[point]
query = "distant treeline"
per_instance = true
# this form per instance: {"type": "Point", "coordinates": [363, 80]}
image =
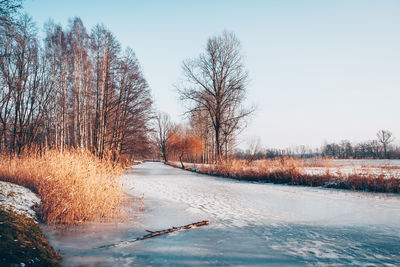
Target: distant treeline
{"type": "Point", "coordinates": [379, 148]}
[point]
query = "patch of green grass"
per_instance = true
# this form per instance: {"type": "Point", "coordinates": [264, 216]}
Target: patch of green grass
{"type": "Point", "coordinates": [21, 241]}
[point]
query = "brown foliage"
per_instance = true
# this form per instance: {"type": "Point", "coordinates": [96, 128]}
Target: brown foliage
{"type": "Point", "coordinates": [183, 144]}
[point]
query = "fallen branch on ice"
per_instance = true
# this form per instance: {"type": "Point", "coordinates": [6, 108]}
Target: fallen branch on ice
{"type": "Point", "coordinates": [157, 233]}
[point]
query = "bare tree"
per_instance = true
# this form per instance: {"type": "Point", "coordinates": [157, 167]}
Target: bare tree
{"type": "Point", "coordinates": [8, 8]}
{"type": "Point", "coordinates": [131, 109]}
{"type": "Point", "coordinates": [255, 150]}
{"type": "Point", "coordinates": [77, 90]}
{"type": "Point", "coordinates": [163, 127]}
{"type": "Point", "coordinates": [216, 83]}
{"type": "Point", "coordinates": [80, 80]}
{"type": "Point", "coordinates": [201, 125]}
{"type": "Point", "coordinates": [8, 31]}
{"type": "Point", "coordinates": [57, 55]}
{"type": "Point", "coordinates": [105, 49]}
{"type": "Point", "coordinates": [385, 138]}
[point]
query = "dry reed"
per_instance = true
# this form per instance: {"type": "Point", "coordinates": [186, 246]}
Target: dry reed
{"type": "Point", "coordinates": [74, 186]}
{"type": "Point", "coordinates": [291, 171]}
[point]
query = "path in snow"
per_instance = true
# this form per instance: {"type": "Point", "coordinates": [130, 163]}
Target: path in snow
{"type": "Point", "coordinates": [250, 224]}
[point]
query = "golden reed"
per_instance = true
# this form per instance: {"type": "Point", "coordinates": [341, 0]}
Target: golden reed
{"type": "Point", "coordinates": [75, 186]}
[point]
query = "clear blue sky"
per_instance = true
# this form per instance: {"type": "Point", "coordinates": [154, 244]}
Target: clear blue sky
{"type": "Point", "coordinates": [319, 70]}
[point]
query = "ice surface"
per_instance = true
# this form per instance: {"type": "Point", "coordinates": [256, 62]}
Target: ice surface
{"type": "Point", "coordinates": [250, 224]}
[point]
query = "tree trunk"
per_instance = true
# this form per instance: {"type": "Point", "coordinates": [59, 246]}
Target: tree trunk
{"type": "Point", "coordinates": [180, 159]}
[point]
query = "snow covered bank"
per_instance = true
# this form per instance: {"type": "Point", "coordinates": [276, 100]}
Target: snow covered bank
{"type": "Point", "coordinates": [384, 179]}
{"type": "Point", "coordinates": [337, 168]}
{"type": "Point", "coordinates": [21, 240]}
{"type": "Point", "coordinates": [19, 199]}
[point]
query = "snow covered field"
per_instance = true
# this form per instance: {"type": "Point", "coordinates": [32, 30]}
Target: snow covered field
{"type": "Point", "coordinates": [250, 224]}
{"type": "Point", "coordinates": [340, 167]}
{"type": "Point", "coordinates": [336, 167]}
{"type": "Point", "coordinates": [367, 162]}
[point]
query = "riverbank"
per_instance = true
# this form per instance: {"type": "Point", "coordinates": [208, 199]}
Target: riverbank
{"type": "Point", "coordinates": [294, 172]}
{"type": "Point", "coordinates": [22, 240]}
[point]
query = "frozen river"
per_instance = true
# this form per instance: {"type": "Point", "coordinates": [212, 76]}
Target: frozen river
{"type": "Point", "coordinates": [250, 224]}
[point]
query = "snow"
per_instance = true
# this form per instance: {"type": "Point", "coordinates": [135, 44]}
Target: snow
{"type": "Point", "coordinates": [343, 167]}
{"type": "Point", "coordinates": [250, 224]}
{"type": "Point", "coordinates": [338, 168]}
{"type": "Point", "coordinates": [366, 162]}
{"type": "Point", "coordinates": [18, 198]}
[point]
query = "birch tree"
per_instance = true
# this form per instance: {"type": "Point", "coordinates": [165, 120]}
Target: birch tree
{"type": "Point", "coordinates": [81, 78]}
{"type": "Point", "coordinates": [57, 55]}
{"type": "Point", "coordinates": [105, 49]}
{"type": "Point", "coordinates": [75, 90]}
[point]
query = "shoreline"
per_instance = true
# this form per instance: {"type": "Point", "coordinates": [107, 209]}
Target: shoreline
{"type": "Point", "coordinates": [352, 183]}
{"type": "Point", "coordinates": [22, 239]}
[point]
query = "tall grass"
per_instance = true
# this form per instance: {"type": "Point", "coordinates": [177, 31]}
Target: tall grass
{"type": "Point", "coordinates": [74, 186]}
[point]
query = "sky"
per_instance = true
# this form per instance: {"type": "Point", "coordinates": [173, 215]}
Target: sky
{"type": "Point", "coordinates": [320, 71]}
